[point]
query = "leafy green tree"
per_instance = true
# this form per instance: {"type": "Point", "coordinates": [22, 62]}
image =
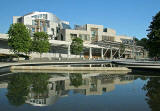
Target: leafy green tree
{"type": "Point", "coordinates": [154, 36]}
{"type": "Point", "coordinates": [19, 38]}
{"type": "Point", "coordinates": [40, 43]}
{"type": "Point", "coordinates": [76, 46]}
{"type": "Point", "coordinates": [136, 39]}
{"type": "Point", "coordinates": [143, 42]}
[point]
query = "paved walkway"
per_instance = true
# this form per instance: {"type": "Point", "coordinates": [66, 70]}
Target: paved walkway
{"type": "Point", "coordinates": [144, 67]}
{"type": "Point", "coordinates": [52, 63]}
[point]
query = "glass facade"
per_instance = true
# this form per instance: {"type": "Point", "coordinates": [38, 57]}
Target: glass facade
{"type": "Point", "coordinates": [33, 29]}
{"type": "Point", "coordinates": [84, 37]}
{"type": "Point", "coordinates": [126, 41]}
{"type": "Point", "coordinates": [73, 36]}
{"type": "Point", "coordinates": [40, 16]}
{"type": "Point", "coordinates": [108, 38]}
{"type": "Point", "coordinates": [66, 26]}
{"type": "Point", "coordinates": [33, 22]}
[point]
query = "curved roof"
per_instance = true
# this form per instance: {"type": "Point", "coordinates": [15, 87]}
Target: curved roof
{"type": "Point", "coordinates": [51, 16]}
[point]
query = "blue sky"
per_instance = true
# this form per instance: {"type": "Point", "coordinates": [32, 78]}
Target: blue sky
{"type": "Point", "coordinates": [127, 17]}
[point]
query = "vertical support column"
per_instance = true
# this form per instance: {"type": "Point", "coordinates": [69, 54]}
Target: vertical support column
{"type": "Point", "coordinates": [111, 55]}
{"type": "Point", "coordinates": [102, 56]}
{"type": "Point", "coordinates": [119, 53]}
{"type": "Point", "coordinates": [90, 53]}
{"type": "Point", "coordinates": [69, 51]}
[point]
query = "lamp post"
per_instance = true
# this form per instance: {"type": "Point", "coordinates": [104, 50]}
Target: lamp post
{"type": "Point", "coordinates": [133, 50]}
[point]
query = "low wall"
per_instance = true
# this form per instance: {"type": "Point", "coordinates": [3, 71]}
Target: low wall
{"type": "Point", "coordinates": [53, 55]}
{"type": "Point", "coordinates": [61, 71]}
{"type": "Point", "coordinates": [48, 56]}
{"type": "Point", "coordinates": [69, 68]}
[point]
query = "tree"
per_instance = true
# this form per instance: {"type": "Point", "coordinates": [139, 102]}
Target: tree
{"type": "Point", "coordinates": [143, 42]}
{"type": "Point", "coordinates": [40, 42]}
{"type": "Point", "coordinates": [19, 38]}
{"type": "Point", "coordinates": [76, 46]}
{"type": "Point", "coordinates": [154, 36]}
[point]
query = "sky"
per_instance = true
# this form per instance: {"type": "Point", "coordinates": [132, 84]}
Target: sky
{"type": "Point", "coordinates": [127, 17]}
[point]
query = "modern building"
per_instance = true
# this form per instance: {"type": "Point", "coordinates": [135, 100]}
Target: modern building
{"type": "Point", "coordinates": [42, 21]}
{"type": "Point", "coordinates": [99, 42]}
{"type": "Point", "coordinates": [91, 33]}
{"type": "Point", "coordinates": [52, 25]}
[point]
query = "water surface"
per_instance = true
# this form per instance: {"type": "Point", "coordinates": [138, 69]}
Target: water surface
{"type": "Point", "coordinates": [79, 92]}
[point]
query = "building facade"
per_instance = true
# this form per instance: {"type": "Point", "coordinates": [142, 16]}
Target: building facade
{"type": "Point", "coordinates": [91, 33]}
{"type": "Point", "coordinates": [98, 41]}
{"type": "Point", "coordinates": [42, 22]}
{"type": "Point", "coordinates": [61, 30]}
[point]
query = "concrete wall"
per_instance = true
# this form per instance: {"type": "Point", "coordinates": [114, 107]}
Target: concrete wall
{"type": "Point", "coordinates": [67, 34]}
{"type": "Point", "coordinates": [50, 56]}
{"type": "Point", "coordinates": [15, 19]}
{"type": "Point", "coordinates": [119, 37]}
{"type": "Point", "coordinates": [110, 33]}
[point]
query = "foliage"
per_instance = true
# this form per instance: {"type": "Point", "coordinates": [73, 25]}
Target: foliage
{"type": "Point", "coordinates": [143, 42]}
{"type": "Point", "coordinates": [76, 79]}
{"type": "Point", "coordinates": [76, 46]}
{"type": "Point", "coordinates": [153, 93]}
{"type": "Point", "coordinates": [40, 42]}
{"type": "Point", "coordinates": [19, 38]}
{"type": "Point", "coordinates": [154, 36]}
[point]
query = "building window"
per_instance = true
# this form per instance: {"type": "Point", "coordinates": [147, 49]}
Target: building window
{"type": "Point", "coordinates": [62, 37]}
{"type": "Point", "coordinates": [44, 16]}
{"type": "Point", "coordinates": [41, 16]}
{"type": "Point", "coordinates": [73, 36]}
{"type": "Point", "coordinates": [33, 22]}
{"type": "Point", "coordinates": [33, 30]}
{"type": "Point", "coordinates": [93, 33]}
{"type": "Point", "coordinates": [84, 37]}
{"type": "Point", "coordinates": [126, 41]}
{"type": "Point", "coordinates": [108, 38]}
{"type": "Point", "coordinates": [52, 30]}
{"type": "Point", "coordinates": [41, 23]}
{"type": "Point", "coordinates": [44, 29]}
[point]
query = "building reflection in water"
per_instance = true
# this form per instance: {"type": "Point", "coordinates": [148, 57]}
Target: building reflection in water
{"type": "Point", "coordinates": [92, 84]}
{"type": "Point", "coordinates": [59, 85]}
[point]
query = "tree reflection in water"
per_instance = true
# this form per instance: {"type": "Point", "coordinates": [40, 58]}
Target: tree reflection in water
{"type": "Point", "coordinates": [39, 84]}
{"type": "Point", "coordinates": [76, 79]}
{"type": "Point", "coordinates": [21, 84]}
{"type": "Point", "coordinates": [18, 89]}
{"type": "Point", "coordinates": [153, 93]}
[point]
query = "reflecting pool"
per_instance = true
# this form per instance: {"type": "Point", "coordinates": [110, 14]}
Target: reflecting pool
{"type": "Point", "coordinates": [79, 92]}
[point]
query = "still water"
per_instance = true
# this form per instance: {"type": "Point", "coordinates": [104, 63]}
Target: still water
{"type": "Point", "coordinates": [79, 92]}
